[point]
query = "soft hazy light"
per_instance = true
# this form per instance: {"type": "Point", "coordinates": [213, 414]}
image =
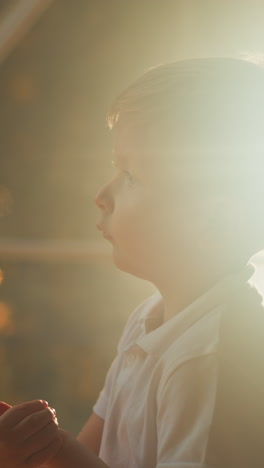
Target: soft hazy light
{"type": "Point", "coordinates": [253, 57]}
{"type": "Point", "coordinates": [1, 276]}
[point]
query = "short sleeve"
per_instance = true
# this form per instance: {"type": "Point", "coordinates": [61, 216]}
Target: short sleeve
{"type": "Point", "coordinates": [100, 406]}
{"type": "Point", "coordinates": [184, 415]}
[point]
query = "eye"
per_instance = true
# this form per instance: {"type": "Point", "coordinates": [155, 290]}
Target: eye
{"type": "Point", "coordinates": [127, 173]}
{"type": "Point", "coordinates": [129, 176]}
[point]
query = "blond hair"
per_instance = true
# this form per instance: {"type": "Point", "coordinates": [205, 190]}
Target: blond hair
{"type": "Point", "coordinates": [206, 102]}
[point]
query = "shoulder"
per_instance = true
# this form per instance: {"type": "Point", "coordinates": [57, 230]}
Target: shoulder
{"type": "Point", "coordinates": [236, 437]}
{"type": "Point", "coordinates": [198, 341]}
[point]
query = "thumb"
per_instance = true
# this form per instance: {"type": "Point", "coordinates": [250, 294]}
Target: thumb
{"type": "Point", "coordinates": [4, 407]}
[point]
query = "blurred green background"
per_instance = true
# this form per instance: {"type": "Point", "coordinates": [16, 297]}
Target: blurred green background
{"type": "Point", "coordinates": [60, 319]}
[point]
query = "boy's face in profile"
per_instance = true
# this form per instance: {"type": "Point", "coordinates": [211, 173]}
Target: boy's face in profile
{"type": "Point", "coordinates": [148, 212]}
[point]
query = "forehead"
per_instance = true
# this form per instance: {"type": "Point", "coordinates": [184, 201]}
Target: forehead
{"type": "Point", "coordinates": [203, 171]}
{"type": "Point", "coordinates": [139, 152]}
{"type": "Point", "coordinates": [146, 147]}
{"type": "Point", "coordinates": [128, 150]}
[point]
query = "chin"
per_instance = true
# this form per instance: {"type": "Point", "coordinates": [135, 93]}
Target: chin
{"type": "Point", "coordinates": [128, 267]}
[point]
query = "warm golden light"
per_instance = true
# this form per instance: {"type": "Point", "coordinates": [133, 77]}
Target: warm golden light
{"type": "Point", "coordinates": [1, 276]}
{"type": "Point", "coordinates": [6, 322]}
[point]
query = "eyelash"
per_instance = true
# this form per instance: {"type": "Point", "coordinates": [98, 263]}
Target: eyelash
{"type": "Point", "coordinates": [129, 176]}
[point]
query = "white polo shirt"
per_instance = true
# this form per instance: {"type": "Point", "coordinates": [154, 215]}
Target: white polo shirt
{"type": "Point", "coordinates": [159, 395]}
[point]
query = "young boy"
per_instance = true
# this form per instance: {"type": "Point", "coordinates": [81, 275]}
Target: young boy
{"type": "Point", "coordinates": [182, 211]}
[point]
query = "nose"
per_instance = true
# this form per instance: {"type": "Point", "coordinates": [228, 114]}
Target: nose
{"type": "Point", "coordinates": [104, 199]}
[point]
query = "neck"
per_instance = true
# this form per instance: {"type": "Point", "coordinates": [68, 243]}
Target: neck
{"type": "Point", "coordinates": [181, 288]}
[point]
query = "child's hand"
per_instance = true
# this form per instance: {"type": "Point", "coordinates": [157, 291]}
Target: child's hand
{"type": "Point", "coordinates": [29, 434]}
{"type": "Point", "coordinates": [4, 407]}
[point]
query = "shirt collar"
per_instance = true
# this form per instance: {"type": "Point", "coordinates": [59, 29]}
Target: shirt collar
{"type": "Point", "coordinates": [158, 336]}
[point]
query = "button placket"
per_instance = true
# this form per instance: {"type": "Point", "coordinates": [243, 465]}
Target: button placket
{"type": "Point", "coordinates": [130, 359]}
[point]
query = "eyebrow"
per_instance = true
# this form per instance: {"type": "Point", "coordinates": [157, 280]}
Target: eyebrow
{"type": "Point", "coordinates": [114, 163]}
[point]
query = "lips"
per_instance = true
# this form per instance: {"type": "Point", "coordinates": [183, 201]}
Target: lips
{"type": "Point", "coordinates": [102, 229]}
{"type": "Point", "coordinates": [106, 236]}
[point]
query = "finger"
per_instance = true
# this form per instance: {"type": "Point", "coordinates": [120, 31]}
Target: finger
{"type": "Point", "coordinates": [44, 455]}
{"type": "Point", "coordinates": [33, 423]}
{"type": "Point", "coordinates": [4, 407]}
{"type": "Point", "coordinates": [15, 414]}
{"type": "Point", "coordinates": [40, 440]}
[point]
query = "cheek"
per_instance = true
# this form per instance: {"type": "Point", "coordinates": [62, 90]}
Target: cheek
{"type": "Point", "coordinates": [130, 221]}
{"type": "Point", "coordinates": [131, 238]}
{"type": "Point", "coordinates": [147, 220]}
{"type": "Point", "coordinates": [133, 224]}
